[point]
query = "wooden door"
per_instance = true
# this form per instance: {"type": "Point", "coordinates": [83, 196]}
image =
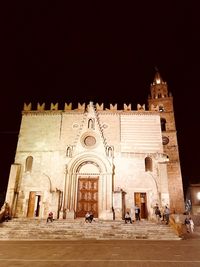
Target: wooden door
{"type": "Point", "coordinates": [87, 199]}
{"type": "Point", "coordinates": [141, 202]}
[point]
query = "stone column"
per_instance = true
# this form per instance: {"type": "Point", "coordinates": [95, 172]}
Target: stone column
{"type": "Point", "coordinates": [117, 204]}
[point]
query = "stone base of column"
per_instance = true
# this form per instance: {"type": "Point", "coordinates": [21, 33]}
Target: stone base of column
{"type": "Point", "coordinates": [106, 215]}
{"type": "Point", "coordinates": [70, 215]}
{"type": "Point", "coordinates": [118, 214]}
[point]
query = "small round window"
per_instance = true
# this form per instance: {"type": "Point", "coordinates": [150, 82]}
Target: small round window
{"type": "Point", "coordinates": [90, 141]}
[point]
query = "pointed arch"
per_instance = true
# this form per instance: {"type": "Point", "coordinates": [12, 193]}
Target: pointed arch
{"type": "Point", "coordinates": [89, 166]}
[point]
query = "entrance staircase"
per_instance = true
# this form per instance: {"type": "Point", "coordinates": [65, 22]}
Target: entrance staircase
{"type": "Point", "coordinates": [78, 229]}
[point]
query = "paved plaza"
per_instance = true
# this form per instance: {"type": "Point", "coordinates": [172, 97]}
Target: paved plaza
{"type": "Point", "coordinates": [138, 253]}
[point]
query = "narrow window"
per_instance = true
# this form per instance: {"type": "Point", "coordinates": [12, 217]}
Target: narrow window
{"type": "Point", "coordinates": [109, 150]}
{"type": "Point", "coordinates": [91, 124]}
{"type": "Point", "coordinates": [163, 124]}
{"type": "Point", "coordinates": [29, 164]}
{"type": "Point", "coordinates": [148, 164]}
{"type": "Point", "coordinates": [69, 152]}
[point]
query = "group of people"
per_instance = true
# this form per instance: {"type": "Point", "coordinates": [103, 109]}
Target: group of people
{"type": "Point", "coordinates": [89, 217]}
{"type": "Point", "coordinates": [128, 218]}
{"type": "Point", "coordinates": [162, 216]}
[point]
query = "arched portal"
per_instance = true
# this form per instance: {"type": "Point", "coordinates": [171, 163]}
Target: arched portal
{"type": "Point", "coordinates": [89, 187]}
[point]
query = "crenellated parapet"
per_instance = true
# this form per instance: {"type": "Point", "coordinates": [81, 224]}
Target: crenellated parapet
{"type": "Point", "coordinates": [40, 107]}
{"type": "Point", "coordinates": [81, 107]}
{"type": "Point", "coordinates": [140, 108]}
{"type": "Point", "coordinates": [113, 107]}
{"type": "Point", "coordinates": [127, 107]}
{"type": "Point", "coordinates": [68, 106]}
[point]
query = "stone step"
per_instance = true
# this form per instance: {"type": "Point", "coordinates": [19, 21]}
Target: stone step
{"type": "Point", "coordinates": [30, 229]}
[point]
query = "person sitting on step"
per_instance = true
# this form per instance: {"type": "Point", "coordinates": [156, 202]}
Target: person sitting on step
{"type": "Point", "coordinates": [87, 217]}
{"type": "Point", "coordinates": [50, 217]}
{"type": "Point", "coordinates": [128, 217]}
{"type": "Point", "coordinates": [7, 215]}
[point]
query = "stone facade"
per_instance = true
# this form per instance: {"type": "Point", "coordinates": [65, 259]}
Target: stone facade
{"type": "Point", "coordinates": [104, 160]}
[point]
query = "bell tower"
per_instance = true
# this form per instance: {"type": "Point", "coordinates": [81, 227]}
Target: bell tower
{"type": "Point", "coordinates": [161, 100]}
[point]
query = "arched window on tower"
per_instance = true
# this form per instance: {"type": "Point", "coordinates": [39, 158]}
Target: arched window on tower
{"type": "Point", "coordinates": [148, 164]}
{"type": "Point", "coordinates": [163, 124]}
{"type": "Point", "coordinates": [29, 164]}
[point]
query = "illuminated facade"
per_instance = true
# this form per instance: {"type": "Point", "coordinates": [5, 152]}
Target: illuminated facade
{"type": "Point", "coordinates": [94, 158]}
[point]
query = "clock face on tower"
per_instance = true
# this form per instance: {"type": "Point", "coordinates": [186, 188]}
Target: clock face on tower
{"type": "Point", "coordinates": [165, 140]}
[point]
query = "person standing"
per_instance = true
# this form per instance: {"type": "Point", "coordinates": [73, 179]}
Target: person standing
{"type": "Point", "coordinates": [137, 213]}
{"type": "Point", "coordinates": [166, 214]}
{"type": "Point", "coordinates": [187, 224]}
{"type": "Point", "coordinates": [157, 213]}
{"type": "Point", "coordinates": [191, 225]}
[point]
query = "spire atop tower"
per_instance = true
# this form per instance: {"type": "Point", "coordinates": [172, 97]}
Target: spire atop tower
{"type": "Point", "coordinates": [158, 79]}
{"type": "Point", "coordinates": [158, 87]}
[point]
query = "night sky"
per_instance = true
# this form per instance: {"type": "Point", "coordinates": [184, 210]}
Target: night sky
{"type": "Point", "coordinates": [105, 53]}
